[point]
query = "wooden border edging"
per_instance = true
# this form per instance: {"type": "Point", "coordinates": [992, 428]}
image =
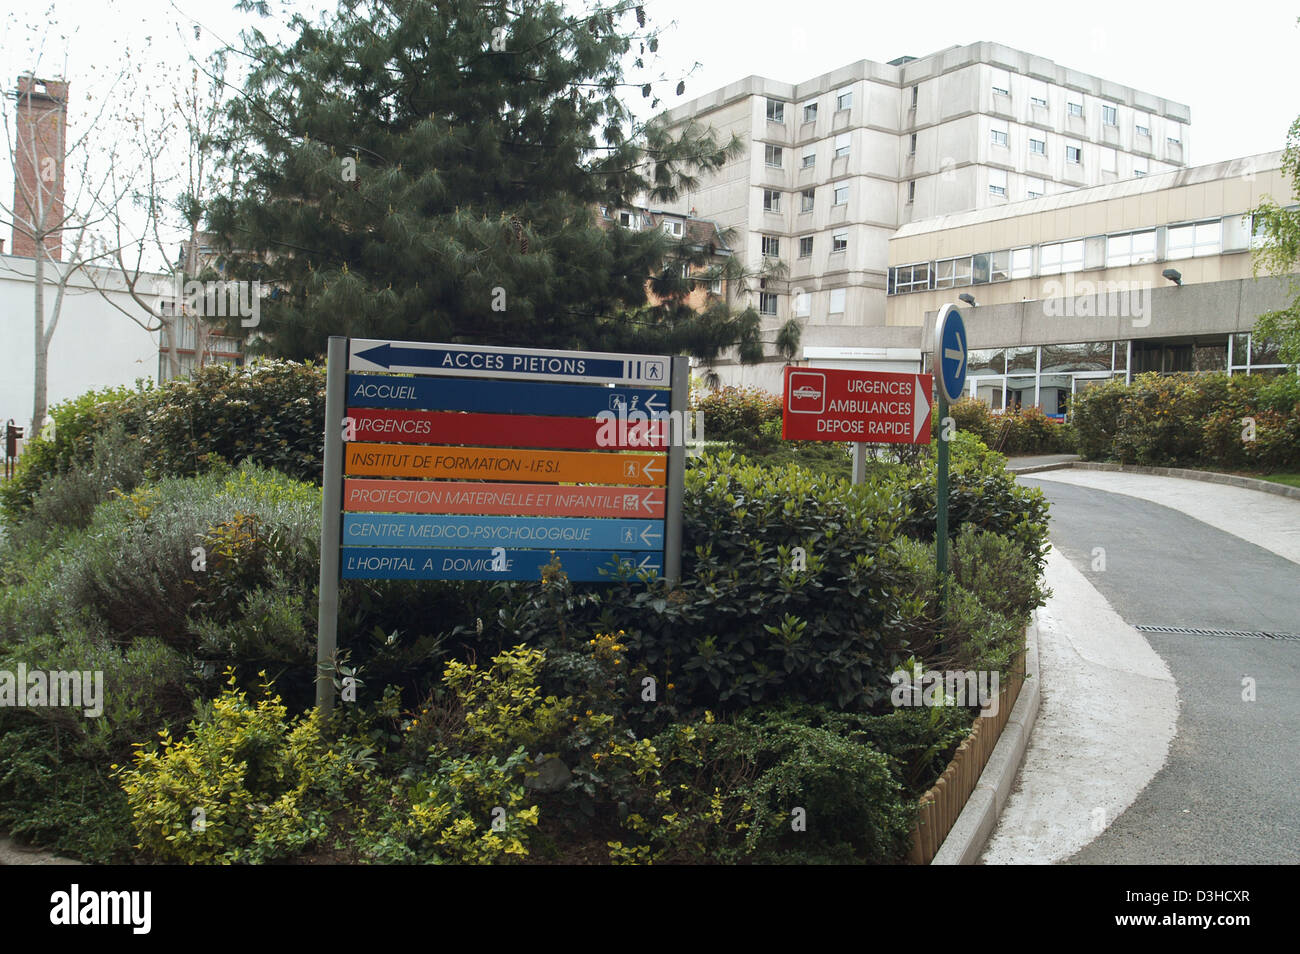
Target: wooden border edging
{"type": "Point", "coordinates": [958, 814]}
{"type": "Point", "coordinates": [1209, 476]}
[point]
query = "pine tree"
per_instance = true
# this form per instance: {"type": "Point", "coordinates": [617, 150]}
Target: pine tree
{"type": "Point", "coordinates": [433, 171]}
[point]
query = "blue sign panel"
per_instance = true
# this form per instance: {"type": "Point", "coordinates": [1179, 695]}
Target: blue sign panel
{"type": "Point", "coordinates": [496, 563]}
{"type": "Point", "coordinates": [479, 361]}
{"type": "Point", "coordinates": [549, 533]}
{"type": "Point", "coordinates": [500, 397]}
{"type": "Point", "coordinates": [950, 352]}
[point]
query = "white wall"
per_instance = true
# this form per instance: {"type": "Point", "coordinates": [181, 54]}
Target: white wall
{"type": "Point", "coordinates": [94, 345]}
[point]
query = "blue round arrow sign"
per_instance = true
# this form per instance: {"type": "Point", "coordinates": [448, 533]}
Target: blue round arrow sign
{"type": "Point", "coordinates": [950, 352]}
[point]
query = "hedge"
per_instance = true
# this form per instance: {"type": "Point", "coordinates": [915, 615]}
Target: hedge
{"type": "Point", "coordinates": [1220, 421]}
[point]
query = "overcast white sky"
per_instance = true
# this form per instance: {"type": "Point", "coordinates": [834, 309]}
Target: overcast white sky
{"type": "Point", "coordinates": [1233, 64]}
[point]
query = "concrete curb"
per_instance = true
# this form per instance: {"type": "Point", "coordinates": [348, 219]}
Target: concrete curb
{"type": "Point", "coordinates": [1208, 476]}
{"type": "Point", "coordinates": [978, 819]}
{"type": "Point", "coordinates": [1038, 468]}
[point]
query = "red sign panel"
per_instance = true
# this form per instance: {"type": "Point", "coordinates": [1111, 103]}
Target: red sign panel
{"type": "Point", "coordinates": [874, 407]}
{"type": "Point", "coordinates": [630, 432]}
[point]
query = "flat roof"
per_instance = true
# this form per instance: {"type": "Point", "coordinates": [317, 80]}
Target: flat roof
{"type": "Point", "coordinates": [1140, 185]}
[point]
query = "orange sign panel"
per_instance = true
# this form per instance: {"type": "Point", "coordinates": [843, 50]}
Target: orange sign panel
{"type": "Point", "coordinates": [489, 463]}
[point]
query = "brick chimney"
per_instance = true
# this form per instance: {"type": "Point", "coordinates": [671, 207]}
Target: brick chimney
{"type": "Point", "coordinates": [40, 143]}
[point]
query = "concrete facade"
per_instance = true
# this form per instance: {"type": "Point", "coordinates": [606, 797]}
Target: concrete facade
{"type": "Point", "coordinates": [834, 165]}
{"type": "Point", "coordinates": [1071, 290]}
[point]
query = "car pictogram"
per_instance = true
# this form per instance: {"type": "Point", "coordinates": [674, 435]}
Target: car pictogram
{"type": "Point", "coordinates": [807, 392]}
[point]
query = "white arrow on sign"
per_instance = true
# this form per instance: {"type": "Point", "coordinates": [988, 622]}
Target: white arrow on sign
{"type": "Point", "coordinates": [645, 564]}
{"type": "Point", "coordinates": [650, 403]}
{"type": "Point", "coordinates": [922, 408]}
{"type": "Point", "coordinates": [645, 501]}
{"type": "Point", "coordinates": [646, 535]}
{"type": "Point", "coordinates": [958, 356]}
{"type": "Point", "coordinates": [649, 469]}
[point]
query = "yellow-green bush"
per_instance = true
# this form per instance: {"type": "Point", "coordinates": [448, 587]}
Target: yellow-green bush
{"type": "Point", "coordinates": [247, 784]}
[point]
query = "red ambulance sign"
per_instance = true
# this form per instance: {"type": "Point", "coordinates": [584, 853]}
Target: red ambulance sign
{"type": "Point", "coordinates": [874, 407]}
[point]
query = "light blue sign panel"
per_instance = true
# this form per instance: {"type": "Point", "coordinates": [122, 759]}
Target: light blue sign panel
{"type": "Point", "coordinates": [499, 397]}
{"type": "Point", "coordinates": [549, 533]}
{"type": "Point", "coordinates": [950, 343]}
{"type": "Point", "coordinates": [496, 563]}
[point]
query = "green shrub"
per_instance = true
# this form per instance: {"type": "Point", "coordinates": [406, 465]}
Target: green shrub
{"type": "Point", "coordinates": [981, 492]}
{"type": "Point", "coordinates": [816, 795]}
{"type": "Point", "coordinates": [55, 784]}
{"type": "Point", "coordinates": [737, 415]}
{"type": "Point", "coordinates": [1193, 420]}
{"type": "Point", "coordinates": [77, 423]}
{"type": "Point", "coordinates": [248, 784]}
{"type": "Point", "coordinates": [272, 414]}
{"type": "Point", "coordinates": [67, 500]}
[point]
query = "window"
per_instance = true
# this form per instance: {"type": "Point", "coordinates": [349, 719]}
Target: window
{"type": "Point", "coordinates": [715, 286]}
{"type": "Point", "coordinates": [1193, 241]}
{"type": "Point", "coordinates": [802, 304]}
{"type": "Point", "coordinates": [1109, 116]}
{"type": "Point", "coordinates": [772, 156]}
{"type": "Point", "coordinates": [952, 272]}
{"type": "Point", "coordinates": [771, 246]}
{"type": "Point", "coordinates": [1038, 147]}
{"type": "Point", "coordinates": [841, 195]}
{"type": "Point", "coordinates": [627, 220]}
{"type": "Point", "coordinates": [1173, 141]}
{"type": "Point", "coordinates": [1039, 101]}
{"type": "Point", "coordinates": [805, 246]}
{"type": "Point", "coordinates": [844, 98]}
{"type": "Point", "coordinates": [840, 242]}
{"type": "Point", "coordinates": [810, 112]}
{"type": "Point", "coordinates": [686, 270]}
{"type": "Point", "coordinates": [1258, 231]}
{"type": "Point", "coordinates": [1139, 167]}
{"type": "Point", "coordinates": [809, 160]}
{"type": "Point", "coordinates": [1059, 257]}
{"type": "Point", "coordinates": [673, 228]}
{"type": "Point", "coordinates": [997, 182]}
{"type": "Point", "coordinates": [1022, 262]}
{"type": "Point", "coordinates": [1073, 154]}
{"type": "Point", "coordinates": [775, 111]}
{"type": "Point", "coordinates": [912, 145]}
{"type": "Point", "coordinates": [1038, 93]}
{"type": "Point", "coordinates": [1108, 160]}
{"type": "Point", "coordinates": [842, 144]}
{"type": "Point", "coordinates": [838, 295]}
{"type": "Point", "coordinates": [916, 92]}
{"type": "Point", "coordinates": [766, 303]}
{"type": "Point", "coordinates": [1133, 248]}
{"type": "Point", "coordinates": [910, 278]}
{"type": "Point", "coordinates": [911, 191]}
{"type": "Point", "coordinates": [1035, 188]}
{"type": "Point", "coordinates": [806, 200]}
{"type": "Point", "coordinates": [1001, 82]}
{"type": "Point", "coordinates": [1074, 109]}
{"type": "Point", "coordinates": [771, 200]}
{"type": "Point", "coordinates": [1000, 137]}
{"type": "Point", "coordinates": [1143, 131]}
{"type": "Point", "coordinates": [999, 266]}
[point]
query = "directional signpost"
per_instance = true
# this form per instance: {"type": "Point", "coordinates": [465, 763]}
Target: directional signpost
{"type": "Point", "coordinates": [828, 404]}
{"type": "Point", "coordinates": [950, 372]}
{"type": "Point", "coordinates": [461, 462]}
